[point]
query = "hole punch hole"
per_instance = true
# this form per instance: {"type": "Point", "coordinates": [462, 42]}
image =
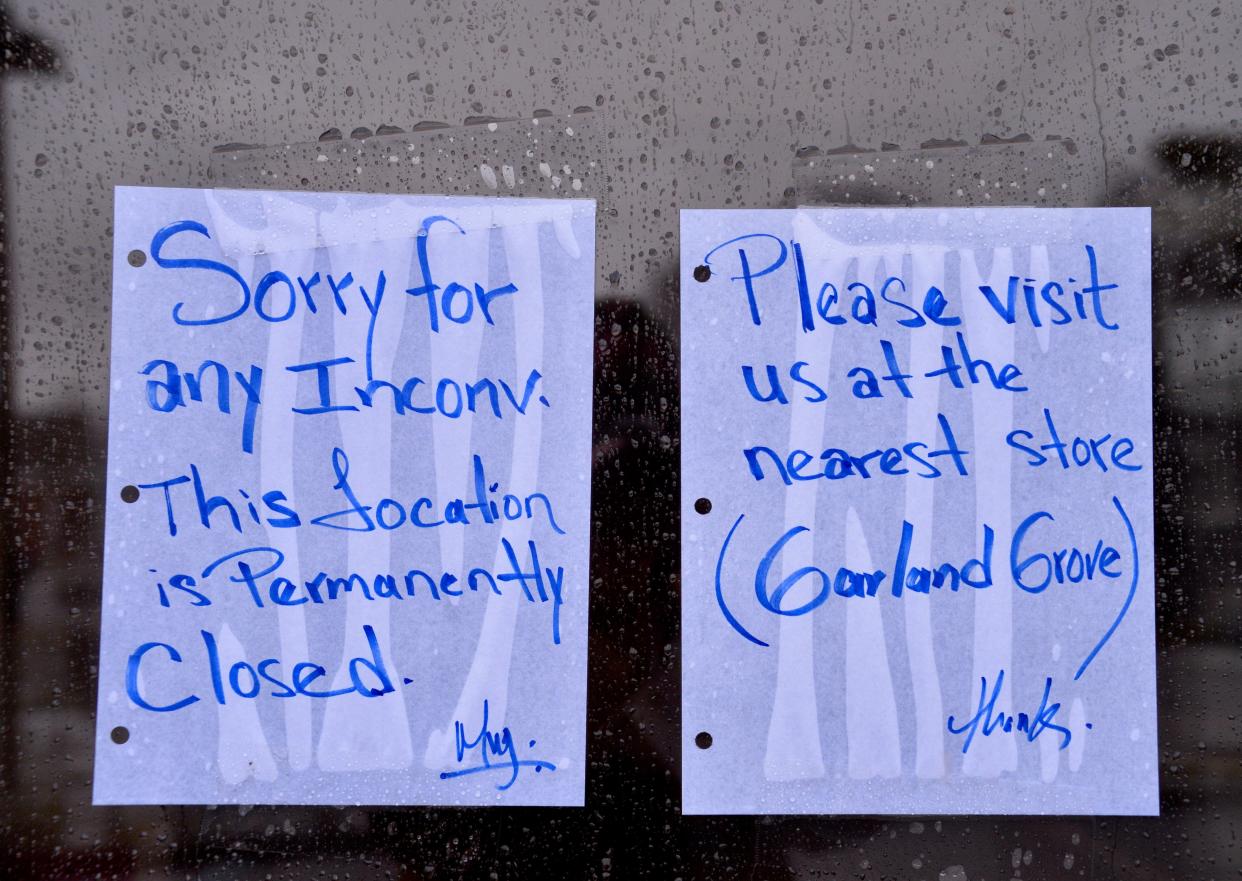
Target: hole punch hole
{"type": "Point", "coordinates": [703, 740]}
{"type": "Point", "coordinates": [120, 735]}
{"type": "Point", "coordinates": [703, 506]}
{"type": "Point", "coordinates": [702, 273]}
{"type": "Point", "coordinates": [137, 258]}
{"type": "Point", "coordinates": [129, 494]}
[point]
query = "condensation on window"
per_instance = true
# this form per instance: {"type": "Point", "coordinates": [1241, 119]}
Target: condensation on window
{"type": "Point", "coordinates": [647, 106]}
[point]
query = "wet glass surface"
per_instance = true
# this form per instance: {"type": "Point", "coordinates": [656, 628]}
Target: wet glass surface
{"type": "Point", "coordinates": [670, 105]}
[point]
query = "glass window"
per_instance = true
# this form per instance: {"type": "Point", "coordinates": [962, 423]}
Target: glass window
{"type": "Point", "coordinates": [648, 107]}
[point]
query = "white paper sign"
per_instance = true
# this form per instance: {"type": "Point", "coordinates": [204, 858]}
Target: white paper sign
{"type": "Point", "coordinates": [348, 500]}
{"type": "Point", "coordinates": [917, 512]}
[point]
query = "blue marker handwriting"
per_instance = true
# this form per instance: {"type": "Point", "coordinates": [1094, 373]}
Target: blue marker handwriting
{"type": "Point", "coordinates": [494, 751]}
{"type": "Point", "coordinates": [257, 570]}
{"type": "Point", "coordinates": [158, 662]}
{"type": "Point", "coordinates": [1044, 445]}
{"type": "Point", "coordinates": [958, 365]}
{"type": "Point", "coordinates": [447, 396]}
{"type": "Point", "coordinates": [169, 386]}
{"type": "Point", "coordinates": [987, 720]}
{"type": "Point", "coordinates": [915, 457]}
{"type": "Point", "coordinates": [277, 296]}
{"type": "Point", "coordinates": [188, 500]}
{"type": "Point", "coordinates": [1036, 562]}
{"type": "Point", "coordinates": [833, 302]}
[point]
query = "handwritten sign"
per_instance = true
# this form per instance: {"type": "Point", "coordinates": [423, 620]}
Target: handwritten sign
{"type": "Point", "coordinates": [917, 512]}
{"type": "Point", "coordinates": [348, 500]}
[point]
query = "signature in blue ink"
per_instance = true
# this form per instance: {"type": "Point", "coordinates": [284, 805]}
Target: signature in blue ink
{"type": "Point", "coordinates": [987, 719]}
{"type": "Point", "coordinates": [495, 752]}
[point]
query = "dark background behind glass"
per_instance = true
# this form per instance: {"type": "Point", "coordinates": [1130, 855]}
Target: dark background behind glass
{"type": "Point", "coordinates": [687, 105]}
